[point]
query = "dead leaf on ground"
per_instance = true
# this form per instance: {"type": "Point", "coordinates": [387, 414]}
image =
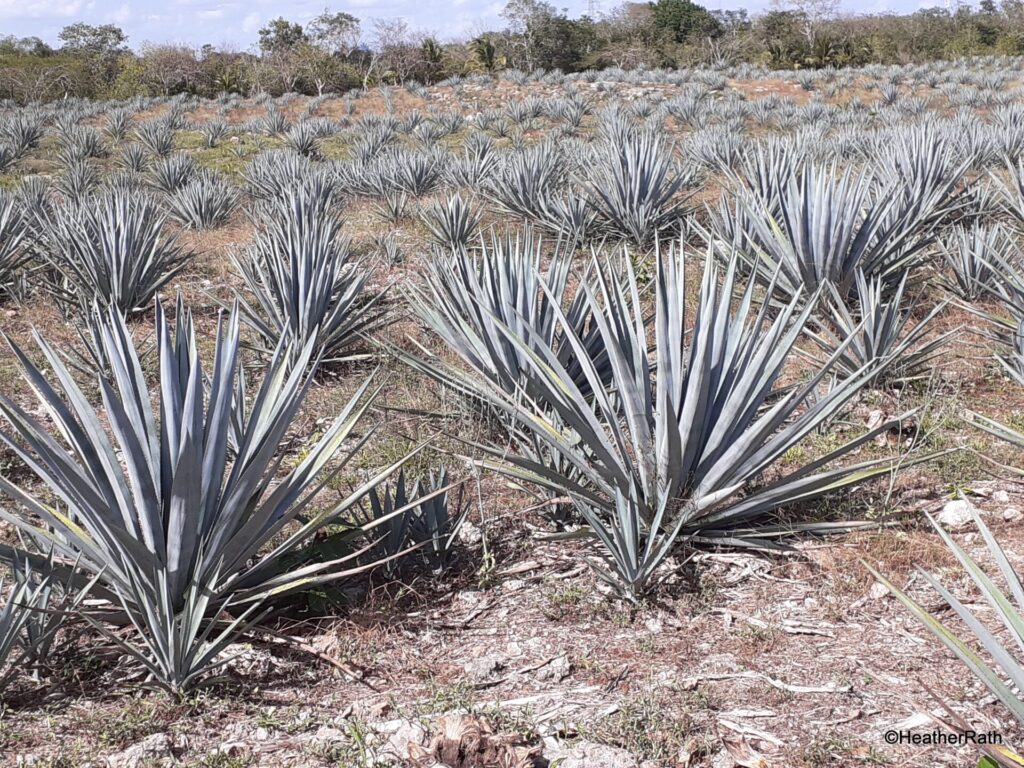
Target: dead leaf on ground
{"type": "Point", "coordinates": [741, 751]}
{"type": "Point", "coordinates": [464, 741]}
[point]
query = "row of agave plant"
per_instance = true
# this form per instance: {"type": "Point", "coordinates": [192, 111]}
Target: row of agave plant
{"type": "Point", "coordinates": [631, 189]}
{"type": "Point", "coordinates": [173, 516]}
{"type": "Point", "coordinates": [988, 80]}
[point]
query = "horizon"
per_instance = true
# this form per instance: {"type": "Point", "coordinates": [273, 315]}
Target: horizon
{"type": "Point", "coordinates": [175, 23]}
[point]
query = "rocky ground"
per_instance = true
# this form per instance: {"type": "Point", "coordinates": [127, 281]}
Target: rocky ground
{"type": "Point", "coordinates": [800, 660]}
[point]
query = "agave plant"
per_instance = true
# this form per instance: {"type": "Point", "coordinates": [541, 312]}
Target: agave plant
{"type": "Point", "coordinates": [203, 203]}
{"type": "Point", "coordinates": [213, 132]}
{"type": "Point", "coordinates": [157, 136]}
{"type": "Point", "coordinates": [25, 604]}
{"type": "Point", "coordinates": [134, 158]}
{"type": "Point", "coordinates": [822, 228]}
{"type": "Point", "coordinates": [1011, 357]}
{"type": "Point", "coordinates": [1007, 288]}
{"type": "Point", "coordinates": [274, 123]}
{"type": "Point", "coordinates": [1006, 679]}
{"type": "Point", "coordinates": [8, 157]}
{"type": "Point", "coordinates": [968, 252]}
{"type": "Point", "coordinates": [110, 251]}
{"type": "Point", "coordinates": [633, 185]}
{"type": "Point", "coordinates": [569, 216]}
{"type": "Point", "coordinates": [34, 196]}
{"type": "Point", "coordinates": [21, 132]}
{"type": "Point", "coordinates": [42, 602]}
{"type": "Point", "coordinates": [470, 297]}
{"type": "Point", "coordinates": [1011, 189]}
{"type": "Point", "coordinates": [428, 526]}
{"type": "Point", "coordinates": [271, 175]}
{"type": "Point", "coordinates": [303, 139]}
{"type": "Point", "coordinates": [80, 143]}
{"type": "Point", "coordinates": [453, 223]}
{"type": "Point", "coordinates": [878, 330]}
{"type": "Point", "coordinates": [766, 169]}
{"type": "Point", "coordinates": [673, 449]}
{"type": "Point", "coordinates": [125, 180]}
{"type": "Point", "coordinates": [413, 172]}
{"type": "Point", "coordinates": [13, 251]}
{"type": "Point", "coordinates": [921, 173]}
{"type": "Point", "coordinates": [394, 206]}
{"type": "Point", "coordinates": [169, 174]}
{"type": "Point", "coordinates": [477, 162]}
{"type": "Point", "coordinates": [177, 525]}
{"type": "Point", "coordinates": [525, 181]}
{"type": "Point", "coordinates": [77, 183]}
{"type": "Point", "coordinates": [307, 286]}
{"type": "Point", "coordinates": [435, 523]}
{"type": "Point", "coordinates": [118, 124]}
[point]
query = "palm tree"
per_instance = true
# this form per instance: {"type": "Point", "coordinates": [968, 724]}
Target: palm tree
{"type": "Point", "coordinates": [433, 56]}
{"type": "Point", "coordinates": [485, 52]}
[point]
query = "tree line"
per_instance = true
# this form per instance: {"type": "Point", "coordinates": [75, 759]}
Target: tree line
{"type": "Point", "coordinates": [336, 52]}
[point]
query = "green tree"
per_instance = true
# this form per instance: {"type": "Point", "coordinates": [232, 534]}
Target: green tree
{"type": "Point", "coordinates": [433, 59]}
{"type": "Point", "coordinates": [30, 46]}
{"type": "Point", "coordinates": [782, 35]}
{"type": "Point", "coordinates": [540, 36]}
{"type": "Point", "coordinates": [281, 35]}
{"type": "Point", "coordinates": [683, 19]}
{"type": "Point", "coordinates": [527, 21]}
{"type": "Point", "coordinates": [323, 71]}
{"type": "Point", "coordinates": [335, 33]}
{"type": "Point", "coordinates": [105, 40]}
{"type": "Point", "coordinates": [97, 52]}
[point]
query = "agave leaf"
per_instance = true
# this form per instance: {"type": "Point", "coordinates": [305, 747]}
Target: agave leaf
{"type": "Point", "coordinates": [977, 665]}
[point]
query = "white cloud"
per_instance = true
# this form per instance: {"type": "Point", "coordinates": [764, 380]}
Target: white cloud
{"type": "Point", "coordinates": [40, 9]}
{"type": "Point", "coordinates": [251, 23]}
{"type": "Point", "coordinates": [120, 14]}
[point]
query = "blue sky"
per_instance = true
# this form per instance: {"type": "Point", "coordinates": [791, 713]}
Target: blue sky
{"type": "Point", "coordinates": [235, 23]}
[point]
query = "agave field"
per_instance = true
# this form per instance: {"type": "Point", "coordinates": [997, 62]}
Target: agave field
{"type": "Point", "coordinates": [647, 418]}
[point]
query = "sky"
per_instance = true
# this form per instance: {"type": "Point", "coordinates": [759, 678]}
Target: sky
{"type": "Point", "coordinates": [234, 23]}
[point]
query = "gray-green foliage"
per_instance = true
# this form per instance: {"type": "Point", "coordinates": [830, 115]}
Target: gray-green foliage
{"type": "Point", "coordinates": [633, 184]}
{"type": "Point", "coordinates": [968, 253]}
{"type": "Point", "coordinates": [182, 510]}
{"type": "Point", "coordinates": [157, 136]}
{"type": "Point", "coordinates": [423, 522]}
{"type": "Point", "coordinates": [307, 285]}
{"type": "Point", "coordinates": [110, 250]}
{"type": "Point", "coordinates": [673, 448]}
{"type": "Point", "coordinates": [21, 612]}
{"type": "Point", "coordinates": [1006, 323]}
{"type": "Point", "coordinates": [169, 174]}
{"type": "Point", "coordinates": [471, 299]}
{"type": "Point", "coordinates": [1002, 644]}
{"type": "Point", "coordinates": [205, 202]}
{"type": "Point", "coordinates": [879, 328]}
{"type": "Point", "coordinates": [452, 223]}
{"type": "Point", "coordinates": [820, 226]}
{"type": "Point", "coordinates": [13, 251]}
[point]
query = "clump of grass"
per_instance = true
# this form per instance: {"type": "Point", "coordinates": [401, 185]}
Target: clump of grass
{"type": "Point", "coordinates": [649, 726]}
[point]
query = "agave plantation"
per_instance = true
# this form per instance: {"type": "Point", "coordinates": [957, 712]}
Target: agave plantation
{"type": "Point", "coordinates": [639, 411]}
